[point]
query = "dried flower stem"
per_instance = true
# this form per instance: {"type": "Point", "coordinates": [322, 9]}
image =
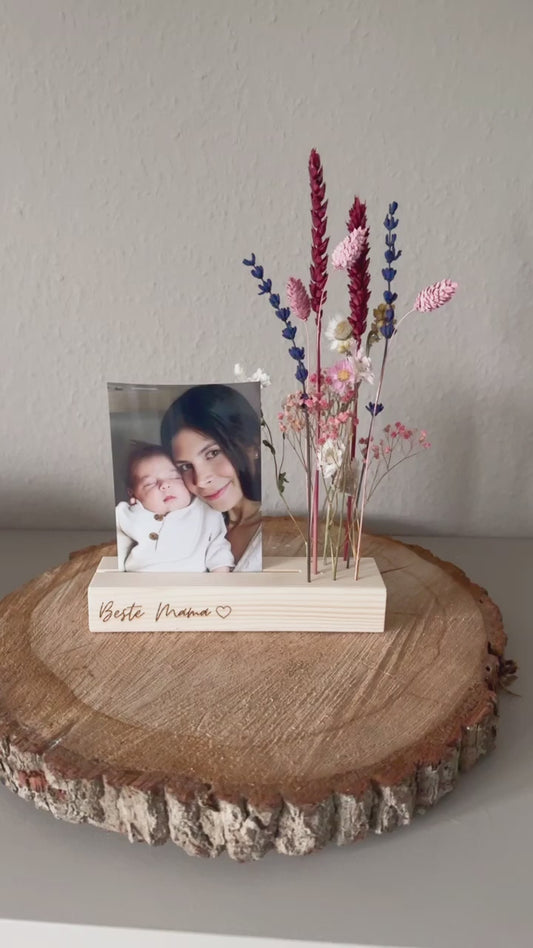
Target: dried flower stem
{"type": "Point", "coordinates": [326, 534]}
{"type": "Point", "coordinates": [353, 527]}
{"type": "Point", "coordinates": [341, 516]}
{"type": "Point", "coordinates": [349, 506]}
{"type": "Point", "coordinates": [316, 486]}
{"type": "Point", "coordinates": [362, 483]}
{"type": "Point", "coordinates": [359, 293]}
{"type": "Point", "coordinates": [400, 321]}
{"type": "Point", "coordinates": [308, 483]}
{"type": "Point", "coordinates": [377, 480]}
{"type": "Point", "coordinates": [277, 470]}
{"type": "Point", "coordinates": [299, 451]}
{"type": "Point", "coordinates": [317, 290]}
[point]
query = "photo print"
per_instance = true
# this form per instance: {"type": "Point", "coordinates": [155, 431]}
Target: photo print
{"type": "Point", "coordinates": [187, 476]}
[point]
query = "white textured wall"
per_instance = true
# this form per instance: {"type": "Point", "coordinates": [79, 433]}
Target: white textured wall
{"type": "Point", "coordinates": [147, 145]}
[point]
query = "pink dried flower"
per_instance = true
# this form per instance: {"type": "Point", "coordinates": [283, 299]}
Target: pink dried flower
{"type": "Point", "coordinates": [362, 364]}
{"type": "Point", "coordinates": [435, 296]}
{"type": "Point", "coordinates": [343, 376]}
{"type": "Point", "coordinates": [298, 299]}
{"type": "Point", "coordinates": [292, 418]}
{"type": "Point", "coordinates": [349, 250]}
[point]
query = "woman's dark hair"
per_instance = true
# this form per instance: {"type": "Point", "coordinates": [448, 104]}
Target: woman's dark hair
{"type": "Point", "coordinates": [226, 416]}
{"type": "Point", "coordinates": [139, 451]}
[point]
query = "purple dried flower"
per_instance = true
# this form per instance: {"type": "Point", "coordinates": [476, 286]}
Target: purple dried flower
{"type": "Point", "coordinates": [265, 286]}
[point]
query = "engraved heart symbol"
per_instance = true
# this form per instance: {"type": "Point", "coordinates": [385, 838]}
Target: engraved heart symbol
{"type": "Point", "coordinates": [223, 611]}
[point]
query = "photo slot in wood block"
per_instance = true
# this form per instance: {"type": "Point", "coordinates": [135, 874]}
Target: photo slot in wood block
{"type": "Point", "coordinates": [279, 599]}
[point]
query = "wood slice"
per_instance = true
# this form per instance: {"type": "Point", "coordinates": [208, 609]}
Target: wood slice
{"type": "Point", "coordinates": [244, 742]}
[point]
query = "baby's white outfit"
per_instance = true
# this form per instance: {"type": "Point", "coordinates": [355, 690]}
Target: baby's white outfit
{"type": "Point", "coordinates": [190, 540]}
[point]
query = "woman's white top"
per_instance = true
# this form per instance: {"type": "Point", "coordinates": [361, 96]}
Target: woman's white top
{"type": "Point", "coordinates": [252, 559]}
{"type": "Point", "coordinates": [190, 540]}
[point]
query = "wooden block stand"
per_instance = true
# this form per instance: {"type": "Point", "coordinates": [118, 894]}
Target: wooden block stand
{"type": "Point", "coordinates": [245, 742]}
{"type": "Point", "coordinates": [276, 600]}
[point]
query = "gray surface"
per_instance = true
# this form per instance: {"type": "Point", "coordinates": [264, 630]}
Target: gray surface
{"type": "Point", "coordinates": [459, 875]}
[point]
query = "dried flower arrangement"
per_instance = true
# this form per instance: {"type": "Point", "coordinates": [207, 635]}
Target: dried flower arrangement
{"type": "Point", "coordinates": [320, 421]}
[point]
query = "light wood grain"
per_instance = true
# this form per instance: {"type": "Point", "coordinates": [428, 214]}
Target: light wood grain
{"type": "Point", "coordinates": [244, 742]}
{"type": "Point", "coordinates": [277, 600]}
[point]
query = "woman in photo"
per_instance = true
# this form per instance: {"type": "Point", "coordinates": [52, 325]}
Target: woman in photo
{"type": "Point", "coordinates": [214, 436]}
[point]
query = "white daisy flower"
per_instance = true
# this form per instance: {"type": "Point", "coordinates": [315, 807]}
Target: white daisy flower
{"type": "Point", "coordinates": [258, 376]}
{"type": "Point", "coordinates": [329, 456]}
{"type": "Point", "coordinates": [261, 377]}
{"type": "Point", "coordinates": [339, 333]}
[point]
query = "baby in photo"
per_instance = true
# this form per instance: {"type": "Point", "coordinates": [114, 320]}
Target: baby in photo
{"type": "Point", "coordinates": [163, 528]}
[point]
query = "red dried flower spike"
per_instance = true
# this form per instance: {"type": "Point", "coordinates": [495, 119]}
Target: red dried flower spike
{"type": "Point", "coordinates": [359, 276]}
{"type": "Point", "coordinates": [319, 241]}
